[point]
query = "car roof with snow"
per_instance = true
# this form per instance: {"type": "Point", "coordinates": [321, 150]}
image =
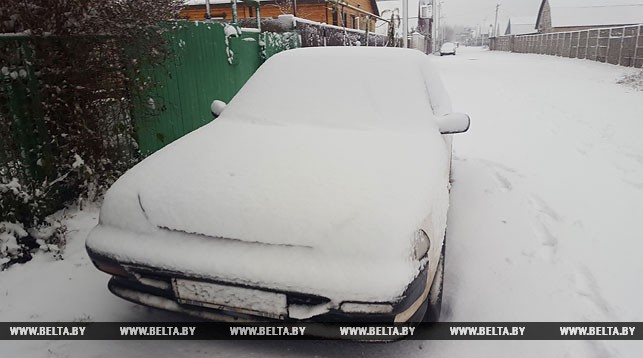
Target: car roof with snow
{"type": "Point", "coordinates": [359, 88]}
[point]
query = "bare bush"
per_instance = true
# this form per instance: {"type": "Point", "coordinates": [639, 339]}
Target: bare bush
{"type": "Point", "coordinates": [71, 71]}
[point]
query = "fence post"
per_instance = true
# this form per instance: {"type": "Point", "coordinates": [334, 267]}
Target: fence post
{"type": "Point", "coordinates": [324, 34]}
{"type": "Point", "coordinates": [636, 46]}
{"type": "Point", "coordinates": [607, 52]}
{"type": "Point", "coordinates": [587, 44]}
{"type": "Point", "coordinates": [578, 44]}
{"type": "Point", "coordinates": [620, 51]}
{"type": "Point", "coordinates": [557, 37]}
{"type": "Point", "coordinates": [258, 17]}
{"type": "Point", "coordinates": [368, 23]}
{"type": "Point", "coordinates": [598, 36]}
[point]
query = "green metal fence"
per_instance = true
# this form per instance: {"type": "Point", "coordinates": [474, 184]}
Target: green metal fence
{"type": "Point", "coordinates": [210, 61]}
{"type": "Point", "coordinates": [25, 148]}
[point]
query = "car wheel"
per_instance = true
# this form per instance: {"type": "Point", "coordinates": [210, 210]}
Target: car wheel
{"type": "Point", "coordinates": [435, 293]}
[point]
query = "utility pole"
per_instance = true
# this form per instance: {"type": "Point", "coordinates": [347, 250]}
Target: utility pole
{"type": "Point", "coordinates": [405, 23]}
{"type": "Point", "coordinates": [495, 23]}
{"type": "Point", "coordinates": [480, 29]}
{"type": "Point", "coordinates": [439, 27]}
{"type": "Point", "coordinates": [434, 28]}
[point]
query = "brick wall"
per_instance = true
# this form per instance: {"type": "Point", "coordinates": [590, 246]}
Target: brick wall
{"type": "Point", "coordinates": [545, 18]}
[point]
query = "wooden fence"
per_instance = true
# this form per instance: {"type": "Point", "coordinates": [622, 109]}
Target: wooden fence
{"type": "Point", "coordinates": [616, 45]}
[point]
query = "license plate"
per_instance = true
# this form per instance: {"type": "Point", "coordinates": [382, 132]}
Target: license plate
{"type": "Point", "coordinates": [231, 298]}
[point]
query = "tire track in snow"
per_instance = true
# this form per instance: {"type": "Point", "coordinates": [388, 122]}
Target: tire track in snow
{"type": "Point", "coordinates": [587, 288]}
{"type": "Point", "coordinates": [545, 218]}
{"type": "Point", "coordinates": [501, 173]}
{"type": "Point", "coordinates": [583, 281]}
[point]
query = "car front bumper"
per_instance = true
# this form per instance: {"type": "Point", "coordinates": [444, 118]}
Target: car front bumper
{"type": "Point", "coordinates": [157, 288]}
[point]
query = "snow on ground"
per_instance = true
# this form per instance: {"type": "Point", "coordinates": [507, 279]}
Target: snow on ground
{"type": "Point", "coordinates": [545, 207]}
{"type": "Point", "coordinates": [548, 195]}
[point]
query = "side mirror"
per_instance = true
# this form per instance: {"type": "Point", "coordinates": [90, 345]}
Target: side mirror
{"type": "Point", "coordinates": [453, 123]}
{"type": "Point", "coordinates": [217, 107]}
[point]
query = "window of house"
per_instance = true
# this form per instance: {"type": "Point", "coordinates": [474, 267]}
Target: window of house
{"type": "Point", "coordinates": [250, 14]}
{"type": "Point", "coordinates": [353, 22]}
{"type": "Point", "coordinates": [335, 17]}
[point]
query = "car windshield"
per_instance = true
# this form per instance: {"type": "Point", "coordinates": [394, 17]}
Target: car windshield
{"type": "Point", "coordinates": [338, 87]}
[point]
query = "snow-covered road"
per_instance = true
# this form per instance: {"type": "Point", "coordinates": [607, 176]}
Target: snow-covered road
{"type": "Point", "coordinates": [544, 224]}
{"type": "Point", "coordinates": [548, 196]}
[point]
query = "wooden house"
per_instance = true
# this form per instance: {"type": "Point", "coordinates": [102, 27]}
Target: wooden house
{"type": "Point", "coordinates": [355, 14]}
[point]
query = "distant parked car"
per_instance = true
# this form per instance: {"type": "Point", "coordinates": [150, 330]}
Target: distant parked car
{"type": "Point", "coordinates": [448, 48]}
{"type": "Point", "coordinates": [301, 201]}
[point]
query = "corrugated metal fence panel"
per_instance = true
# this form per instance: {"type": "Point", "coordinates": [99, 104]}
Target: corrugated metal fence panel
{"type": "Point", "coordinates": [21, 113]}
{"type": "Point", "coordinates": [205, 65]}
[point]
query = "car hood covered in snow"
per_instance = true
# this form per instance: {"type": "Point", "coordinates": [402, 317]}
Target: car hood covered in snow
{"type": "Point", "coordinates": [357, 196]}
{"type": "Point", "coordinates": [324, 209]}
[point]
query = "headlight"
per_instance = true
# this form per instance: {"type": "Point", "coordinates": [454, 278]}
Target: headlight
{"type": "Point", "coordinates": [421, 244]}
{"type": "Point", "coordinates": [359, 307]}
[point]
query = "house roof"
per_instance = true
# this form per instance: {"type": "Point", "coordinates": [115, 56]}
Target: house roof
{"type": "Point", "coordinates": [567, 13]}
{"type": "Point", "coordinates": [521, 25]}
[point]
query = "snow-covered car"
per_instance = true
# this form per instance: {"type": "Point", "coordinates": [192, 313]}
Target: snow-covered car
{"type": "Point", "coordinates": [319, 193]}
{"type": "Point", "coordinates": [448, 48]}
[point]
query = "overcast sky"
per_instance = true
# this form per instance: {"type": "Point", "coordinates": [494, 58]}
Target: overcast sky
{"type": "Point", "coordinates": [475, 12]}
{"type": "Point", "coordinates": [472, 12]}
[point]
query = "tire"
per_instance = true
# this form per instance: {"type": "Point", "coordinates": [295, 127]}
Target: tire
{"type": "Point", "coordinates": [435, 292]}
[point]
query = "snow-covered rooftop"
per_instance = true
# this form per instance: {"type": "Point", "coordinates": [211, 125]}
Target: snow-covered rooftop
{"type": "Point", "coordinates": [595, 12]}
{"type": "Point", "coordinates": [521, 25]}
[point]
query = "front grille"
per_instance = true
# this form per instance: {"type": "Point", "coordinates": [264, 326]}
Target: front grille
{"type": "Point", "coordinates": [305, 299]}
{"type": "Point", "coordinates": [160, 280]}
